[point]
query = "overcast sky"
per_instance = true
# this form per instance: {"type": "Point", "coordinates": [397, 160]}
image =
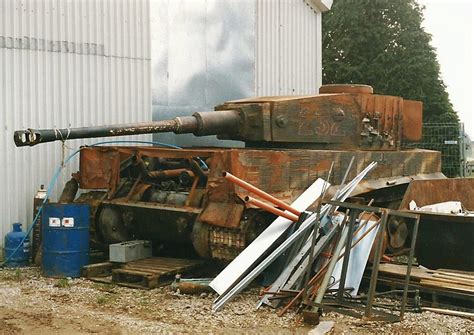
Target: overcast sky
{"type": "Point", "coordinates": [450, 24]}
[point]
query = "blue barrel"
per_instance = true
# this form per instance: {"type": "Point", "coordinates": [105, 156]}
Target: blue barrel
{"type": "Point", "coordinates": [17, 247]}
{"type": "Point", "coordinates": [65, 239]}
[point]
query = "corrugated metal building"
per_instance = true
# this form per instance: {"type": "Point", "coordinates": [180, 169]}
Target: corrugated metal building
{"type": "Point", "coordinates": [78, 63]}
{"type": "Point", "coordinates": [65, 63]}
{"type": "Point", "coordinates": [205, 52]}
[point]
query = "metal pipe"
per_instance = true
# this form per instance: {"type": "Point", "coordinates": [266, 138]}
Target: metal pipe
{"type": "Point", "coordinates": [312, 282]}
{"type": "Point", "coordinates": [410, 263]}
{"type": "Point", "coordinates": [262, 194]}
{"type": "Point", "coordinates": [164, 174]}
{"type": "Point", "coordinates": [271, 209]}
{"type": "Point", "coordinates": [200, 124]}
{"type": "Point", "coordinates": [345, 262]}
{"type": "Point", "coordinates": [322, 289]}
{"type": "Point", "coordinates": [160, 174]}
{"type": "Point", "coordinates": [316, 227]}
{"type": "Point", "coordinates": [375, 265]}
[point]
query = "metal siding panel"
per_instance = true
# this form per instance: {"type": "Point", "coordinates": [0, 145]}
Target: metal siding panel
{"type": "Point", "coordinates": [224, 35]}
{"type": "Point", "coordinates": [268, 48]}
{"type": "Point", "coordinates": [288, 48]}
{"type": "Point", "coordinates": [203, 54]}
{"type": "Point", "coordinates": [65, 63]}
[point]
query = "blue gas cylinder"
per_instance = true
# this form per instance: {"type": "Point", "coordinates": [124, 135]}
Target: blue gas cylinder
{"type": "Point", "coordinates": [17, 256]}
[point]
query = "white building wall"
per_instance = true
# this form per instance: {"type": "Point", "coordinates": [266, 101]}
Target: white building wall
{"type": "Point", "coordinates": [65, 63]}
{"type": "Point", "coordinates": [203, 53]}
{"type": "Point", "coordinates": [206, 52]}
{"type": "Point", "coordinates": [288, 47]}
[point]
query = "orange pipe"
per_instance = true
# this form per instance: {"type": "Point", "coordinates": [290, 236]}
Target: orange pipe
{"type": "Point", "coordinates": [385, 258]}
{"type": "Point", "coordinates": [271, 209]}
{"type": "Point", "coordinates": [260, 193]}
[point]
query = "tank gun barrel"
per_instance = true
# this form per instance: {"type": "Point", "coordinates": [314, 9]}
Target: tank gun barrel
{"type": "Point", "coordinates": [199, 124]}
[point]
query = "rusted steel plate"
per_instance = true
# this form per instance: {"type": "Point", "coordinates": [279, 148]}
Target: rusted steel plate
{"type": "Point", "coordinates": [369, 185]}
{"type": "Point", "coordinates": [225, 214]}
{"type": "Point", "coordinates": [346, 88]}
{"type": "Point", "coordinates": [412, 120]}
{"type": "Point", "coordinates": [328, 119]}
{"type": "Point", "coordinates": [98, 168]}
{"type": "Point", "coordinates": [387, 110]}
{"type": "Point", "coordinates": [270, 99]}
{"type": "Point", "coordinates": [428, 192]}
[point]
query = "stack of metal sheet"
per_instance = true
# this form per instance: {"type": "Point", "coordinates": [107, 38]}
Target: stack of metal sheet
{"type": "Point", "coordinates": [304, 249]}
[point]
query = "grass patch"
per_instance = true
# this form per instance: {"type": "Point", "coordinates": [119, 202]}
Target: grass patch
{"type": "Point", "coordinates": [144, 301]}
{"type": "Point", "coordinates": [104, 287]}
{"type": "Point", "coordinates": [106, 299]}
{"type": "Point", "coordinates": [11, 275]}
{"type": "Point", "coordinates": [63, 283]}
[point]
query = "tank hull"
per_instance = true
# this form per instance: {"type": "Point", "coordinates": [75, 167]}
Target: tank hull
{"type": "Point", "coordinates": [150, 208]}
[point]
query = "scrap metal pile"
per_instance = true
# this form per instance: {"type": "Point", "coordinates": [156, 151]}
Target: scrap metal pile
{"type": "Point", "coordinates": [317, 253]}
{"type": "Point", "coordinates": [180, 201]}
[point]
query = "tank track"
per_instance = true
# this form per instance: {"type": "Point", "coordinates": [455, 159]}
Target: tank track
{"type": "Point", "coordinates": [226, 244]}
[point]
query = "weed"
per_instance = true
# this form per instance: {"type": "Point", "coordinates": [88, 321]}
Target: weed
{"type": "Point", "coordinates": [17, 275]}
{"type": "Point", "coordinates": [144, 301]}
{"type": "Point", "coordinates": [12, 275]}
{"type": "Point", "coordinates": [62, 283]}
{"type": "Point", "coordinates": [104, 287]}
{"type": "Point", "coordinates": [106, 299]}
{"type": "Point", "coordinates": [102, 299]}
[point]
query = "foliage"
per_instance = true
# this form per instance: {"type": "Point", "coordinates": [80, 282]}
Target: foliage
{"type": "Point", "coordinates": [106, 299]}
{"type": "Point", "coordinates": [382, 43]}
{"type": "Point", "coordinates": [63, 283]}
{"type": "Point", "coordinates": [11, 275]}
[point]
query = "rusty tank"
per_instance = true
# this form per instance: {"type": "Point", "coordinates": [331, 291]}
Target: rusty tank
{"type": "Point", "coordinates": [179, 199]}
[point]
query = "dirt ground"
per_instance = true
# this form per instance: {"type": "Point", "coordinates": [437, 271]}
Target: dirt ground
{"type": "Point", "coordinates": [30, 304]}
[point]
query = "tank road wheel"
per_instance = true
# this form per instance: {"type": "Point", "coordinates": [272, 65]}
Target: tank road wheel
{"type": "Point", "coordinates": [398, 234]}
{"type": "Point", "coordinates": [112, 227]}
{"type": "Point", "coordinates": [200, 239]}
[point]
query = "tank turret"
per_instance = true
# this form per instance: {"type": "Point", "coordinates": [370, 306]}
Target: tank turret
{"type": "Point", "coordinates": [345, 117]}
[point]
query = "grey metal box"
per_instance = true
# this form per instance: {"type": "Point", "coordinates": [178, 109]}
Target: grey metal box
{"type": "Point", "coordinates": [129, 251]}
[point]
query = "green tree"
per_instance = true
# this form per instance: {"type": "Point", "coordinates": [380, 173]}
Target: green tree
{"type": "Point", "coordinates": [382, 43]}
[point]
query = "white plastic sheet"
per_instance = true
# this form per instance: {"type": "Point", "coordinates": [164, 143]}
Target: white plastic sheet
{"type": "Point", "coordinates": [357, 260]}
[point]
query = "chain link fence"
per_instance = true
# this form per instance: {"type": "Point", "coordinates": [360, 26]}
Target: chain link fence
{"type": "Point", "coordinates": [450, 139]}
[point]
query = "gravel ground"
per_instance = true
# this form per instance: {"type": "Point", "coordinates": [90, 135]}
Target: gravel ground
{"type": "Point", "coordinates": [30, 303]}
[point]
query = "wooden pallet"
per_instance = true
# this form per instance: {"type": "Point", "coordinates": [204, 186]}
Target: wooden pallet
{"type": "Point", "coordinates": [98, 270]}
{"type": "Point", "coordinates": [447, 288]}
{"type": "Point", "coordinates": [442, 279]}
{"type": "Point", "coordinates": [152, 272]}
